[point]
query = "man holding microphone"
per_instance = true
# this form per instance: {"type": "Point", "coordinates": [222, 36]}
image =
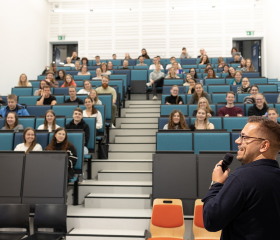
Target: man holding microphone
{"type": "Point", "coordinates": [246, 204]}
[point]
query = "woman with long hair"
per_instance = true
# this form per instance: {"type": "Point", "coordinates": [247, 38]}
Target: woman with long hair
{"type": "Point", "coordinates": [174, 97]}
{"type": "Point", "coordinates": [211, 73]}
{"type": "Point", "coordinates": [237, 78]}
{"type": "Point", "coordinates": [198, 93]}
{"type": "Point", "coordinates": [192, 71]}
{"type": "Point", "coordinates": [231, 72]}
{"type": "Point", "coordinates": [245, 86]}
{"type": "Point", "coordinates": [203, 103]}
{"type": "Point", "coordinates": [23, 81]}
{"type": "Point", "coordinates": [260, 107]}
{"type": "Point", "coordinates": [69, 81]}
{"type": "Point", "coordinates": [84, 70]}
{"type": "Point", "coordinates": [87, 88]}
{"type": "Point", "coordinates": [91, 111]}
{"type": "Point", "coordinates": [49, 122]}
{"type": "Point", "coordinates": [204, 60]}
{"type": "Point", "coordinates": [191, 83]}
{"type": "Point", "coordinates": [39, 91]}
{"type": "Point", "coordinates": [171, 73]}
{"type": "Point", "coordinates": [94, 96]}
{"type": "Point", "coordinates": [176, 121]}
{"type": "Point", "coordinates": [104, 69]}
{"type": "Point", "coordinates": [60, 142]}
{"type": "Point", "coordinates": [273, 115]}
{"type": "Point", "coordinates": [84, 61]}
{"type": "Point", "coordinates": [11, 122]}
{"type": "Point", "coordinates": [253, 91]}
{"type": "Point", "coordinates": [29, 142]}
{"type": "Point", "coordinates": [249, 67]}
{"type": "Point", "coordinates": [61, 74]}
{"type": "Point", "coordinates": [201, 121]}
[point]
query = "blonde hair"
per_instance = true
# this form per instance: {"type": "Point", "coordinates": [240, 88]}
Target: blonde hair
{"type": "Point", "coordinates": [206, 121]}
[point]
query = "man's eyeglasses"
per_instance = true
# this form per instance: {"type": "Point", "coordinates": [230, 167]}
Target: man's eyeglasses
{"type": "Point", "coordinates": [244, 138]}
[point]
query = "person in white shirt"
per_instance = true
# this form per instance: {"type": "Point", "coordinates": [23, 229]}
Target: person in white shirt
{"type": "Point", "coordinates": [172, 60]}
{"type": "Point", "coordinates": [49, 122]}
{"type": "Point", "coordinates": [155, 61]}
{"type": "Point", "coordinates": [91, 111]}
{"type": "Point", "coordinates": [69, 63]}
{"type": "Point", "coordinates": [94, 96]}
{"type": "Point", "coordinates": [87, 88]}
{"type": "Point", "coordinates": [23, 81]}
{"type": "Point", "coordinates": [98, 74]}
{"type": "Point", "coordinates": [29, 142]}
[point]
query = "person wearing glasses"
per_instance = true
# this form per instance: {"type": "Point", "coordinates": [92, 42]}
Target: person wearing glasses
{"type": "Point", "coordinates": [259, 108]}
{"type": "Point", "coordinates": [174, 98]}
{"type": "Point", "coordinates": [246, 204]}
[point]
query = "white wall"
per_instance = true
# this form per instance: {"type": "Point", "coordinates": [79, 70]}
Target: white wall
{"type": "Point", "coordinates": [163, 27]}
{"type": "Point", "coordinates": [272, 36]}
{"type": "Point", "coordinates": [23, 41]}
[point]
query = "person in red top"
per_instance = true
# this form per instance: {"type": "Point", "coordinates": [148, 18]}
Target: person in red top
{"type": "Point", "coordinates": [230, 110]}
{"type": "Point", "coordinates": [69, 81]}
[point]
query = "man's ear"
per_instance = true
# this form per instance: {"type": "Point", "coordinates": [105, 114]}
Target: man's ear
{"type": "Point", "coordinates": [265, 145]}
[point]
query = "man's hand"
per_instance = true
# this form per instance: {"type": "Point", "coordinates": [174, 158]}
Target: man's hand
{"type": "Point", "coordinates": [218, 175]}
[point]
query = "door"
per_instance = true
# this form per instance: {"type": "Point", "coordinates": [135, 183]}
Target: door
{"type": "Point", "coordinates": [61, 51]}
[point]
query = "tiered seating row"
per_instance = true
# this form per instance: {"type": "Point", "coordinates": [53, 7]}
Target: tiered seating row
{"type": "Point", "coordinates": [180, 141]}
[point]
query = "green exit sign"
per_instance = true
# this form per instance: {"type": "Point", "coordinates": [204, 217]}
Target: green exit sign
{"type": "Point", "coordinates": [250, 33]}
{"type": "Point", "coordinates": [61, 37]}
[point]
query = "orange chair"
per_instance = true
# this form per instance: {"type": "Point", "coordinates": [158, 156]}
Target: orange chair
{"type": "Point", "coordinates": [199, 232]}
{"type": "Point", "coordinates": [167, 222]}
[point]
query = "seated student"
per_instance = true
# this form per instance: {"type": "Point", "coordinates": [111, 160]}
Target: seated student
{"type": "Point", "coordinates": [127, 56]}
{"type": "Point", "coordinates": [49, 122]}
{"type": "Point", "coordinates": [249, 67]}
{"type": "Point", "coordinates": [104, 69]}
{"type": "Point", "coordinates": [221, 64]}
{"type": "Point", "coordinates": [94, 96]}
{"type": "Point", "coordinates": [61, 74]}
{"type": "Point", "coordinates": [79, 123]}
{"type": "Point", "coordinates": [78, 66]}
{"type": "Point", "coordinates": [172, 60]}
{"type": "Point", "coordinates": [29, 142]}
{"type": "Point", "coordinates": [2, 102]}
{"type": "Point", "coordinates": [191, 83]}
{"type": "Point", "coordinates": [60, 142]}
{"type": "Point", "coordinates": [69, 81]}
{"type": "Point", "coordinates": [260, 107]}
{"type": "Point", "coordinates": [91, 111]}
{"type": "Point", "coordinates": [98, 74]}
{"type": "Point", "coordinates": [50, 80]}
{"type": "Point", "coordinates": [201, 121]}
{"type": "Point", "coordinates": [97, 61]}
{"type": "Point", "coordinates": [141, 60]}
{"type": "Point", "coordinates": [13, 106]}
{"type": "Point", "coordinates": [69, 63]}
{"type": "Point", "coordinates": [46, 97]}
{"type": "Point", "coordinates": [245, 86]}
{"type": "Point", "coordinates": [192, 71]}
{"type": "Point", "coordinates": [208, 66]}
{"type": "Point", "coordinates": [210, 73]}
{"type": "Point", "coordinates": [253, 91]}
{"type": "Point", "coordinates": [23, 81]}
{"type": "Point", "coordinates": [114, 56]}
{"type": "Point", "coordinates": [156, 80]}
{"type": "Point", "coordinates": [74, 56]}
{"type": "Point", "coordinates": [84, 70]}
{"type": "Point", "coordinates": [230, 110]}
{"type": "Point", "coordinates": [236, 58]}
{"type": "Point", "coordinates": [226, 69]}
{"type": "Point", "coordinates": [87, 88]}
{"type": "Point", "coordinates": [237, 78]}
{"type": "Point", "coordinates": [73, 96]}
{"type": "Point", "coordinates": [39, 91]}
{"type": "Point", "coordinates": [105, 88]}
{"type": "Point", "coordinates": [171, 74]}
{"type": "Point", "coordinates": [176, 67]}
{"type": "Point", "coordinates": [184, 53]}
{"type": "Point", "coordinates": [231, 72]}
{"type": "Point", "coordinates": [198, 93]}
{"type": "Point", "coordinates": [204, 60]}
{"type": "Point", "coordinates": [273, 115]}
{"type": "Point", "coordinates": [125, 64]}
{"type": "Point", "coordinates": [176, 121]}
{"type": "Point", "coordinates": [202, 52]}
{"type": "Point", "coordinates": [242, 64]}
{"type": "Point", "coordinates": [144, 53]}
{"type": "Point", "coordinates": [110, 66]}
{"type": "Point", "coordinates": [188, 78]}
{"type": "Point", "coordinates": [174, 98]}
{"type": "Point", "coordinates": [84, 61]}
{"type": "Point", "coordinates": [11, 122]}
{"type": "Point", "coordinates": [155, 61]}
{"type": "Point", "coordinates": [203, 103]}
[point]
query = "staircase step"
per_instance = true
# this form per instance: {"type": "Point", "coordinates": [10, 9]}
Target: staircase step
{"type": "Point", "coordinates": [128, 102]}
{"type": "Point", "coordinates": [131, 201]}
{"type": "Point", "coordinates": [136, 120]}
{"type": "Point", "coordinates": [132, 105]}
{"type": "Point", "coordinates": [130, 132]}
{"type": "Point", "coordinates": [133, 139]}
{"type": "Point", "coordinates": [145, 114]}
{"type": "Point", "coordinates": [119, 147]}
{"type": "Point", "coordinates": [129, 155]}
{"type": "Point", "coordinates": [124, 175]}
{"type": "Point", "coordinates": [139, 125]}
{"type": "Point", "coordinates": [105, 234]}
{"type": "Point", "coordinates": [140, 110]}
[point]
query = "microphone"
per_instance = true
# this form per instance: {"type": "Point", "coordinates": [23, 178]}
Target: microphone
{"type": "Point", "coordinates": [227, 161]}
